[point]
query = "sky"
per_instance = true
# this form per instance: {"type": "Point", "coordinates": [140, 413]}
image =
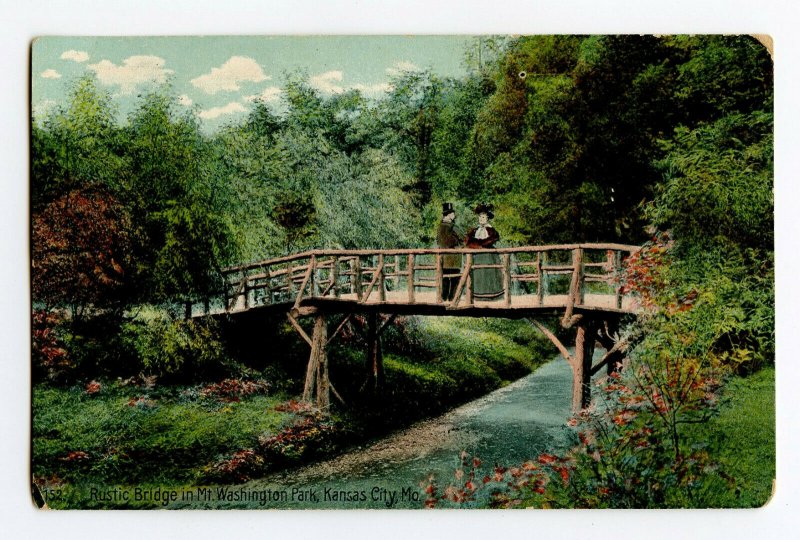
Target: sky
{"type": "Point", "coordinates": [220, 77]}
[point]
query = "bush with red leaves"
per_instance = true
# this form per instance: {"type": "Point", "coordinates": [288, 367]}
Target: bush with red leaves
{"type": "Point", "coordinates": [50, 358]}
{"type": "Point", "coordinates": [232, 390]}
{"type": "Point", "coordinates": [298, 441]}
{"type": "Point", "coordinates": [241, 466]}
{"type": "Point", "coordinates": [80, 249]}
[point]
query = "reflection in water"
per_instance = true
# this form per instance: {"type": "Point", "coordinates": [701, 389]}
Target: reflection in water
{"type": "Point", "coordinates": [506, 427]}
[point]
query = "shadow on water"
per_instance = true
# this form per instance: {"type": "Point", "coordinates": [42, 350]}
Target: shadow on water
{"type": "Point", "coordinates": [507, 427]}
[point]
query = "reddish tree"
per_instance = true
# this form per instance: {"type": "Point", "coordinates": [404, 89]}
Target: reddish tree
{"type": "Point", "coordinates": [80, 251]}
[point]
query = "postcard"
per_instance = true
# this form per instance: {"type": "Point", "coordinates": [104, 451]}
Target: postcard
{"type": "Point", "coordinates": [402, 272]}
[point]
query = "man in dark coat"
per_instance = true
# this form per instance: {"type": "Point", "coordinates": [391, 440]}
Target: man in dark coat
{"type": "Point", "coordinates": [447, 237]}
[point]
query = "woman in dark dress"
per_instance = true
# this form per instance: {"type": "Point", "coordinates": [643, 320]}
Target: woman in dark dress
{"type": "Point", "coordinates": [487, 283]}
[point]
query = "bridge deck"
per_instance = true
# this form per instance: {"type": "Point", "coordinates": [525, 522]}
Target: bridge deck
{"type": "Point", "coordinates": [425, 304]}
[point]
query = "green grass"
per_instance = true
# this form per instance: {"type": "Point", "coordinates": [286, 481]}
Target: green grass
{"type": "Point", "coordinates": [744, 433]}
{"type": "Point", "coordinates": [168, 440]}
{"type": "Point", "coordinates": [455, 360]}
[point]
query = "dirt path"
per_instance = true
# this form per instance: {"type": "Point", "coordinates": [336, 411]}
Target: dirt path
{"type": "Point", "coordinates": [413, 443]}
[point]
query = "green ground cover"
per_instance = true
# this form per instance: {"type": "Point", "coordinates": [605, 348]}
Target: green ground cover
{"type": "Point", "coordinates": [168, 436]}
{"type": "Point", "coordinates": [744, 437]}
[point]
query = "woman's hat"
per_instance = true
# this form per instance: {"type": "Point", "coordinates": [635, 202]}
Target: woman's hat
{"type": "Point", "coordinates": [484, 208]}
{"type": "Point", "coordinates": [447, 208]}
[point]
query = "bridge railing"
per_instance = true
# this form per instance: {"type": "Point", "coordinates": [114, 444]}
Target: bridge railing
{"type": "Point", "coordinates": [532, 276]}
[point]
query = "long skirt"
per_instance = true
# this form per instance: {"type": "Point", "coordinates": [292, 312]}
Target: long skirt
{"type": "Point", "coordinates": [487, 283]}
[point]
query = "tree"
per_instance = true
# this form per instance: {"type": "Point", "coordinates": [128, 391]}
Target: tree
{"type": "Point", "coordinates": [81, 252]}
{"type": "Point", "coordinates": [174, 192]}
{"type": "Point", "coordinates": [77, 146]}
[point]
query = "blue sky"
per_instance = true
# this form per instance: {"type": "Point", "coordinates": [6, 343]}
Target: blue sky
{"type": "Point", "coordinates": [219, 77]}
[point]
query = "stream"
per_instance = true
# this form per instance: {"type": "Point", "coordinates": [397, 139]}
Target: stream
{"type": "Point", "coordinates": [506, 427]}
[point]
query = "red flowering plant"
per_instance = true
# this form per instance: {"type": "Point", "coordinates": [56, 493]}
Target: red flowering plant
{"type": "Point", "coordinates": [635, 449]}
{"type": "Point", "coordinates": [93, 387]}
{"type": "Point", "coordinates": [232, 390]}
{"type": "Point", "coordinates": [240, 466]}
{"type": "Point", "coordinates": [297, 441]}
{"type": "Point", "coordinates": [498, 486]}
{"type": "Point", "coordinates": [49, 355]}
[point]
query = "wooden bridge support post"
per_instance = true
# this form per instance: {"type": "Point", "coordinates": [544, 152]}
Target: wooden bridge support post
{"type": "Point", "coordinates": [582, 365]}
{"type": "Point", "coordinates": [580, 361]}
{"type": "Point", "coordinates": [374, 364]}
{"type": "Point", "coordinates": [323, 381]}
{"type": "Point", "coordinates": [317, 370]}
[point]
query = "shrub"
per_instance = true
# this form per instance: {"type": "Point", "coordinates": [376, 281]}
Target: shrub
{"type": "Point", "coordinates": [48, 353]}
{"type": "Point", "coordinates": [308, 437]}
{"type": "Point", "coordinates": [241, 466]}
{"type": "Point", "coordinates": [177, 350]}
{"type": "Point", "coordinates": [234, 389]}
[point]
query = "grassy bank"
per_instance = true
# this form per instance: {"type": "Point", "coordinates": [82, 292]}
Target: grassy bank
{"type": "Point", "coordinates": [123, 434]}
{"type": "Point", "coordinates": [744, 438]}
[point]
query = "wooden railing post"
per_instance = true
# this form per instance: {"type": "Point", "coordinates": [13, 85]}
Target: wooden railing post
{"type": "Point", "coordinates": [580, 275]}
{"type": "Point", "coordinates": [577, 264]}
{"type": "Point", "coordinates": [267, 285]}
{"type": "Point", "coordinates": [539, 279]}
{"type": "Point", "coordinates": [507, 279]}
{"type": "Point", "coordinates": [470, 288]}
{"type": "Point", "coordinates": [314, 283]}
{"type": "Point", "coordinates": [335, 277]}
{"type": "Point", "coordinates": [439, 278]}
{"type": "Point", "coordinates": [245, 291]}
{"type": "Point", "coordinates": [463, 282]}
{"type": "Point", "coordinates": [381, 279]}
{"type": "Point", "coordinates": [357, 277]}
{"type": "Point", "coordinates": [289, 282]}
{"type": "Point", "coordinates": [410, 268]}
{"type": "Point", "coordinates": [575, 287]}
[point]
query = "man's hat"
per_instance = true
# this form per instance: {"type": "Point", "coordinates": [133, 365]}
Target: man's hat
{"type": "Point", "coordinates": [484, 208]}
{"type": "Point", "coordinates": [447, 208]}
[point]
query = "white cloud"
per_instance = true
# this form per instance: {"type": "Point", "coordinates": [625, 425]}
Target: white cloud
{"type": "Point", "coordinates": [50, 74]}
{"type": "Point", "coordinates": [214, 112]}
{"type": "Point", "coordinates": [185, 100]}
{"type": "Point", "coordinates": [269, 95]}
{"type": "Point", "coordinates": [76, 56]}
{"type": "Point", "coordinates": [373, 90]}
{"type": "Point", "coordinates": [229, 75]}
{"type": "Point", "coordinates": [330, 83]}
{"type": "Point", "coordinates": [399, 68]}
{"type": "Point", "coordinates": [326, 82]}
{"type": "Point", "coordinates": [134, 70]}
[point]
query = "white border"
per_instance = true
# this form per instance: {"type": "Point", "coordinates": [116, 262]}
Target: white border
{"type": "Point", "coordinates": [22, 21]}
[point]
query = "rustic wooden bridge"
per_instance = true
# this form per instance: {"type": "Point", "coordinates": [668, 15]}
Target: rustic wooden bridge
{"type": "Point", "coordinates": [579, 282]}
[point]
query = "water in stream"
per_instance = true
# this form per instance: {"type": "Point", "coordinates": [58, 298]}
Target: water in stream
{"type": "Point", "coordinates": [507, 427]}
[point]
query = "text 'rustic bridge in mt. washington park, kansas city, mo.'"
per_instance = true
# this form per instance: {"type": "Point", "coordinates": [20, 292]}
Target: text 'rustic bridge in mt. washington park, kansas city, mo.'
{"type": "Point", "coordinates": [580, 282]}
